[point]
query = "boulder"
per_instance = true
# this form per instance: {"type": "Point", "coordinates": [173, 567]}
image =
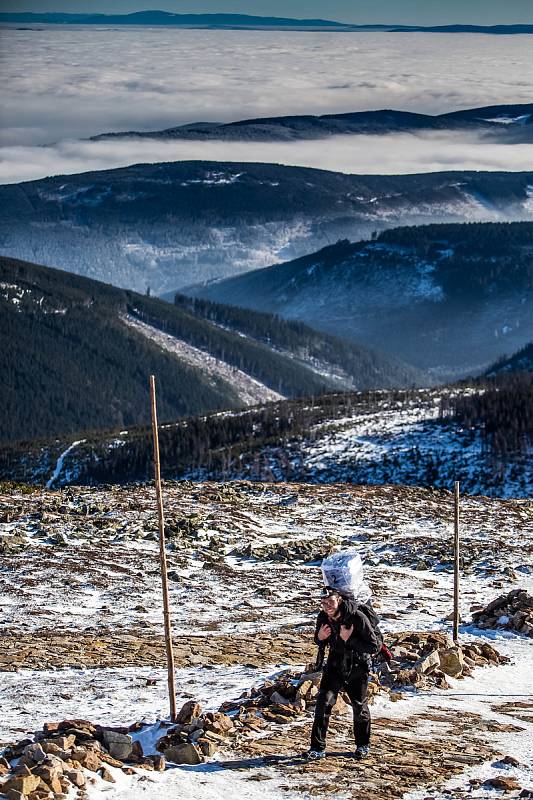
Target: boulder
{"type": "Point", "coordinates": [25, 784]}
{"type": "Point", "coordinates": [303, 689]}
{"type": "Point", "coordinates": [119, 745]}
{"type": "Point", "coordinates": [218, 723]}
{"type": "Point", "coordinates": [451, 661]}
{"type": "Point", "coordinates": [428, 663]}
{"type": "Point", "coordinates": [207, 747]}
{"type": "Point", "coordinates": [277, 699]}
{"type": "Point", "coordinates": [184, 754]}
{"type": "Point", "coordinates": [189, 711]}
{"type": "Point", "coordinates": [76, 777]}
{"type": "Point", "coordinates": [508, 784]}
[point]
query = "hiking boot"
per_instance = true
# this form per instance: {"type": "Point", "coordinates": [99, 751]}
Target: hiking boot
{"type": "Point", "coordinates": [315, 755]}
{"type": "Point", "coordinates": [362, 751]}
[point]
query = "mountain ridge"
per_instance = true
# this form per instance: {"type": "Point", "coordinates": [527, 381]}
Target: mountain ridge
{"type": "Point", "coordinates": [246, 21]}
{"type": "Point", "coordinates": [505, 122]}
{"type": "Point", "coordinates": [168, 225]}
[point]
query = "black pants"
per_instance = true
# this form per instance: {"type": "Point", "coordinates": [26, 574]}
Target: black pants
{"type": "Point", "coordinates": [356, 685]}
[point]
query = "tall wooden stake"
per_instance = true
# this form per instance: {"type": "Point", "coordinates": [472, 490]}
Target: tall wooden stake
{"type": "Point", "coordinates": [163, 556]}
{"type": "Point", "coordinates": [456, 564]}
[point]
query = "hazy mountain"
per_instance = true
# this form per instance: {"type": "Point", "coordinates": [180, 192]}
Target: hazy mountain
{"type": "Point", "coordinates": [451, 298]}
{"type": "Point", "coordinates": [245, 21]}
{"type": "Point", "coordinates": [80, 354]}
{"type": "Point", "coordinates": [170, 225]}
{"type": "Point", "coordinates": [506, 122]}
{"type": "Point", "coordinates": [168, 18]}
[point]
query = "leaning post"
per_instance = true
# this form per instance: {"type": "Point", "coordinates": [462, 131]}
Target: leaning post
{"type": "Point", "coordinates": [456, 563]}
{"type": "Point", "coordinates": [163, 556]}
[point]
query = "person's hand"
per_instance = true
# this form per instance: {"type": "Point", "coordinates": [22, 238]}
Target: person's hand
{"type": "Point", "coordinates": [324, 633]}
{"type": "Point", "coordinates": [345, 632]}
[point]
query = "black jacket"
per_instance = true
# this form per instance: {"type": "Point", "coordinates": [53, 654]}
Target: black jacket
{"type": "Point", "coordinates": [357, 651]}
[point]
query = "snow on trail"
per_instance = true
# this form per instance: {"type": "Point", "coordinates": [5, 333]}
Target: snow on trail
{"type": "Point", "coordinates": [121, 696]}
{"type": "Point", "coordinates": [60, 461]}
{"type": "Point", "coordinates": [250, 390]}
{"type": "Point", "coordinates": [203, 782]}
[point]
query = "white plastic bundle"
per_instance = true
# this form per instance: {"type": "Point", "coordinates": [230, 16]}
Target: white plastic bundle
{"type": "Point", "coordinates": [344, 571]}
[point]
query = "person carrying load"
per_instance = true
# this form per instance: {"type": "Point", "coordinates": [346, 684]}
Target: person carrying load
{"type": "Point", "coordinates": [348, 626]}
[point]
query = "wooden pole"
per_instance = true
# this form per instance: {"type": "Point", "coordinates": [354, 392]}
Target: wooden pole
{"type": "Point", "coordinates": [163, 556]}
{"type": "Point", "coordinates": [456, 564]}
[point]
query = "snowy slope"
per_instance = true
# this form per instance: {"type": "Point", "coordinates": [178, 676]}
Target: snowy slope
{"type": "Point", "coordinates": [101, 584]}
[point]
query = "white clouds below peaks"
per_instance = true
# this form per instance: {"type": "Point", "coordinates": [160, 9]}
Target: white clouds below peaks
{"type": "Point", "coordinates": [392, 154]}
{"type": "Point", "coordinates": [66, 83]}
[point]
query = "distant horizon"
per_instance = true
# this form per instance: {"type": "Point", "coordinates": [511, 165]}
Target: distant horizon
{"type": "Point", "coordinates": [341, 22]}
{"type": "Point", "coordinates": [482, 13]}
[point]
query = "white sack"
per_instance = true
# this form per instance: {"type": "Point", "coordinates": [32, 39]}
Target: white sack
{"type": "Point", "coordinates": [344, 571]}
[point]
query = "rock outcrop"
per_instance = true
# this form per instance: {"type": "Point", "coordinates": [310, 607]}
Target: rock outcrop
{"type": "Point", "coordinates": [513, 611]}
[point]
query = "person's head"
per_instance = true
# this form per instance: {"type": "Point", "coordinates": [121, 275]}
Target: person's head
{"type": "Point", "coordinates": [330, 601]}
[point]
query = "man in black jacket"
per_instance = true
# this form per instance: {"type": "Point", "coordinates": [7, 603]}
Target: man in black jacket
{"type": "Point", "coordinates": [352, 641]}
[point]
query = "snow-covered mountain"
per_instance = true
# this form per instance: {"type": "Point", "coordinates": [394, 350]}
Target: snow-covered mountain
{"type": "Point", "coordinates": [449, 298]}
{"type": "Point", "coordinates": [170, 225]}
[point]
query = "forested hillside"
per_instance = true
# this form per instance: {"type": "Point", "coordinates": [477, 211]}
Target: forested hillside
{"type": "Point", "coordinates": [480, 433]}
{"type": "Point", "coordinates": [169, 225]}
{"type": "Point", "coordinates": [78, 354]}
{"type": "Point", "coordinates": [450, 298]}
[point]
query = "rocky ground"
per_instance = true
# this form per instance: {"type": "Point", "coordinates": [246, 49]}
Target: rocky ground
{"type": "Point", "coordinates": [80, 631]}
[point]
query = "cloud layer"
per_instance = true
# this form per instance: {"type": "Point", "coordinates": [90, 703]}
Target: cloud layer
{"type": "Point", "coordinates": [392, 154]}
{"type": "Point", "coordinates": [65, 83]}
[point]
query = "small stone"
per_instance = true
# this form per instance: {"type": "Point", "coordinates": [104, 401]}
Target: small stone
{"type": "Point", "coordinates": [106, 775]}
{"type": "Point", "coordinates": [277, 699]}
{"type": "Point", "coordinates": [50, 727]}
{"type": "Point", "coordinates": [87, 758]}
{"type": "Point", "coordinates": [218, 722]}
{"type": "Point", "coordinates": [65, 742]}
{"type": "Point", "coordinates": [159, 763]}
{"type": "Point", "coordinates": [511, 760]}
{"type": "Point", "coordinates": [76, 777]}
{"type": "Point", "coordinates": [13, 794]}
{"type": "Point", "coordinates": [303, 689]}
{"type": "Point", "coordinates": [340, 706]}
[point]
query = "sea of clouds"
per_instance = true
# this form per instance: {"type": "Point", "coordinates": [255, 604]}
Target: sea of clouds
{"type": "Point", "coordinates": [63, 84]}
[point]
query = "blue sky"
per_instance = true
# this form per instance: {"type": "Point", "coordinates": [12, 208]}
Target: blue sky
{"type": "Point", "coordinates": [424, 12]}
